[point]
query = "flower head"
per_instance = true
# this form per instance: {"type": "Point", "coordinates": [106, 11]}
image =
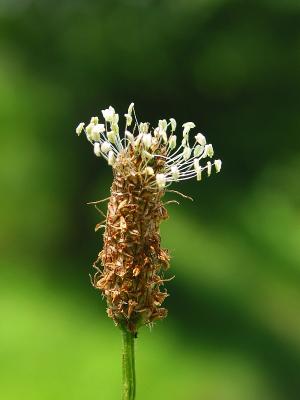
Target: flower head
{"type": "Point", "coordinates": [145, 163]}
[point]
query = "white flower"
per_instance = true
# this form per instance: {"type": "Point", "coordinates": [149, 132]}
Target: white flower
{"type": "Point", "coordinates": [161, 180]}
{"type": "Point", "coordinates": [108, 114]}
{"type": "Point", "coordinates": [79, 128]}
{"type": "Point", "coordinates": [97, 149]}
{"type": "Point", "coordinates": [111, 158]}
{"type": "Point", "coordinates": [175, 172]}
{"type": "Point", "coordinates": [200, 139]}
{"type": "Point", "coordinates": [187, 126]}
{"type": "Point", "coordinates": [105, 147]}
{"type": "Point", "coordinates": [218, 165]}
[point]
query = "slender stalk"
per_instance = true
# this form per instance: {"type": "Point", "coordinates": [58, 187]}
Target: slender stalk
{"type": "Point", "coordinates": [128, 365]}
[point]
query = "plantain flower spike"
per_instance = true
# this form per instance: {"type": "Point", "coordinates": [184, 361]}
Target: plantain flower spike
{"type": "Point", "coordinates": [145, 162]}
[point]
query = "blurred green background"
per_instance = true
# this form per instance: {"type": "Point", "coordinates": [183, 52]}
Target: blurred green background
{"type": "Point", "coordinates": [233, 330]}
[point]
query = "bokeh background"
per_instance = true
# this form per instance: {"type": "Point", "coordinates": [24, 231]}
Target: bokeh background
{"type": "Point", "coordinates": [233, 330]}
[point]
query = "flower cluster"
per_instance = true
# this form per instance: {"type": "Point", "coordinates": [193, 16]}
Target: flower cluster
{"type": "Point", "coordinates": [151, 145]}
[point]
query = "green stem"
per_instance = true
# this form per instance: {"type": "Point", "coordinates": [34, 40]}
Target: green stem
{"type": "Point", "coordinates": [128, 365]}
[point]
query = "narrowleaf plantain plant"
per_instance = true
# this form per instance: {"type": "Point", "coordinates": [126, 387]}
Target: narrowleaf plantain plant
{"type": "Point", "coordinates": [129, 269]}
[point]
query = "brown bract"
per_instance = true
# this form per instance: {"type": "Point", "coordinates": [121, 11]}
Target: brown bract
{"type": "Point", "coordinates": [132, 260]}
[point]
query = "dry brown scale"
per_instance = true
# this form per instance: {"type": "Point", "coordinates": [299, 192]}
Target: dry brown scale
{"type": "Point", "coordinates": [132, 259]}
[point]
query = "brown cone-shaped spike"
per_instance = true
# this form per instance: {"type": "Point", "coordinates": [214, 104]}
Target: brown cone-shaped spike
{"type": "Point", "coordinates": [132, 259]}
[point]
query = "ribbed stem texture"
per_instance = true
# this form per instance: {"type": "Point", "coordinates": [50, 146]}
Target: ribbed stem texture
{"type": "Point", "coordinates": [128, 365]}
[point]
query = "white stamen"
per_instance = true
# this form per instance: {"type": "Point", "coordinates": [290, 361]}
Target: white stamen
{"type": "Point", "coordinates": [187, 126]}
{"type": "Point", "coordinates": [172, 141]}
{"type": "Point", "coordinates": [111, 136]}
{"type": "Point", "coordinates": [200, 139]}
{"type": "Point", "coordinates": [175, 172]}
{"type": "Point", "coordinates": [173, 124]}
{"type": "Point", "coordinates": [218, 165]}
{"type": "Point", "coordinates": [128, 119]}
{"type": "Point", "coordinates": [111, 158]}
{"type": "Point", "coordinates": [115, 118]}
{"type": "Point", "coordinates": [130, 136]}
{"type": "Point", "coordinates": [115, 128]}
{"type": "Point", "coordinates": [88, 129]}
{"type": "Point", "coordinates": [208, 165]}
{"type": "Point", "coordinates": [186, 153]}
{"type": "Point", "coordinates": [199, 174]}
{"type": "Point", "coordinates": [146, 154]}
{"type": "Point", "coordinates": [198, 150]}
{"type": "Point", "coordinates": [163, 124]}
{"type": "Point", "coordinates": [161, 180]}
{"type": "Point", "coordinates": [209, 151]}
{"type": "Point", "coordinates": [97, 149]}
{"type": "Point", "coordinates": [108, 114]}
{"type": "Point", "coordinates": [149, 171]}
{"type": "Point", "coordinates": [164, 136]}
{"type": "Point", "coordinates": [94, 120]}
{"type": "Point", "coordinates": [96, 130]}
{"type": "Point", "coordinates": [130, 108]}
{"type": "Point", "coordinates": [79, 128]}
{"type": "Point", "coordinates": [105, 147]}
{"type": "Point", "coordinates": [147, 139]}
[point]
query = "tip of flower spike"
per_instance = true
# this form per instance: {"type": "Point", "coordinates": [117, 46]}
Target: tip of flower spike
{"type": "Point", "coordinates": [149, 152]}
